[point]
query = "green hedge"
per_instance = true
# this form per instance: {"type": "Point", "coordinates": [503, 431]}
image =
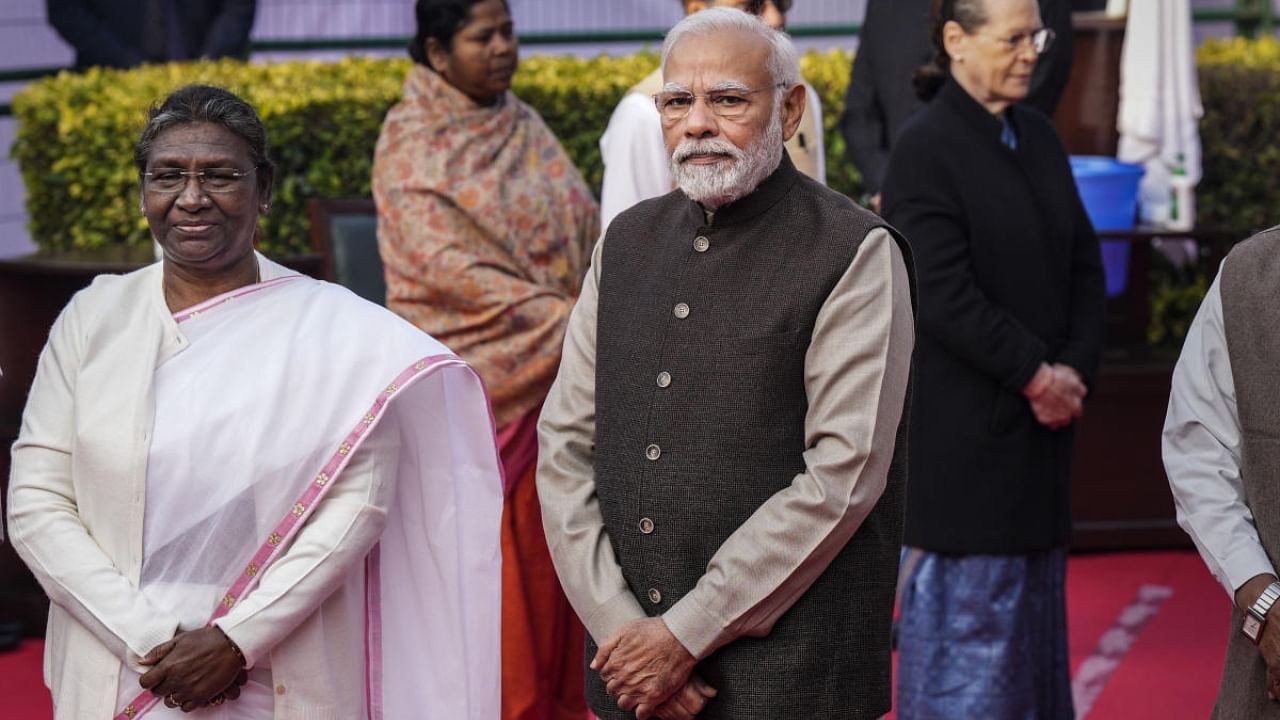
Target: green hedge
{"type": "Point", "coordinates": [1240, 134]}
{"type": "Point", "coordinates": [1240, 189]}
{"type": "Point", "coordinates": [76, 132]}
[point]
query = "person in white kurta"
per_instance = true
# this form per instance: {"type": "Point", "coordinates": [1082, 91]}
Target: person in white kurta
{"type": "Point", "coordinates": [636, 165]}
{"type": "Point", "coordinates": [1219, 448]}
{"type": "Point", "coordinates": [1202, 454]}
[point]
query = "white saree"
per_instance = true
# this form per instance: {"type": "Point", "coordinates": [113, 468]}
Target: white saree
{"type": "Point", "coordinates": [291, 394]}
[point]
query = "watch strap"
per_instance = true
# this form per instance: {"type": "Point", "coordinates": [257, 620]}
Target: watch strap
{"type": "Point", "coordinates": [1258, 612]}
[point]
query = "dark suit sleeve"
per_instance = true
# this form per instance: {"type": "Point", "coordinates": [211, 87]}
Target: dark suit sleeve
{"type": "Point", "coordinates": [1053, 70]}
{"type": "Point", "coordinates": [1088, 299]}
{"type": "Point", "coordinates": [95, 44]}
{"type": "Point", "coordinates": [229, 34]}
{"type": "Point", "coordinates": [863, 124]}
{"type": "Point", "coordinates": [953, 311]}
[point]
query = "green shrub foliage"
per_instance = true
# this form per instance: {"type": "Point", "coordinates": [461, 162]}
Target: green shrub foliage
{"type": "Point", "coordinates": [76, 132]}
{"type": "Point", "coordinates": [1240, 134]}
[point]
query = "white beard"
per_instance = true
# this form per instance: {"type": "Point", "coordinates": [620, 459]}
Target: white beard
{"type": "Point", "coordinates": [726, 181]}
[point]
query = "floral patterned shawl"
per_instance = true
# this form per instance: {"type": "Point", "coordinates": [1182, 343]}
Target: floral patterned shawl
{"type": "Point", "coordinates": [485, 228]}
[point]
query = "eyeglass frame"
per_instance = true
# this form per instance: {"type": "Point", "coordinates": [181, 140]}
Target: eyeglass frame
{"type": "Point", "coordinates": [200, 176]}
{"type": "Point", "coordinates": [1014, 42]}
{"type": "Point", "coordinates": [706, 97]}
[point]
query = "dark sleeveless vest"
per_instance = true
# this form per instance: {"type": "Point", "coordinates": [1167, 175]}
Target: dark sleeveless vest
{"type": "Point", "coordinates": [700, 401]}
{"type": "Point", "coordinates": [1250, 287]}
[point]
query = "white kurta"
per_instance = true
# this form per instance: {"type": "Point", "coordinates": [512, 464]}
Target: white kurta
{"type": "Point", "coordinates": [1201, 450]}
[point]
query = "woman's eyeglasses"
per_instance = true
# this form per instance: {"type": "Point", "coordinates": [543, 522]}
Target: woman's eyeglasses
{"type": "Point", "coordinates": [1039, 40]}
{"type": "Point", "coordinates": [211, 180]}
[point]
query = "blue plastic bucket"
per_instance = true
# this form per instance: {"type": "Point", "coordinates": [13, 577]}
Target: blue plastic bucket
{"type": "Point", "coordinates": [1109, 191]}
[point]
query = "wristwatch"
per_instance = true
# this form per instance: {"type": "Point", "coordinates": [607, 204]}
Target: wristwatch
{"type": "Point", "coordinates": [1256, 617]}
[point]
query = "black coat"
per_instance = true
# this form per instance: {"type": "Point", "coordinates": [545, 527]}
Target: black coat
{"type": "Point", "coordinates": [894, 42]}
{"type": "Point", "coordinates": [1010, 276]}
{"type": "Point", "coordinates": [115, 33]}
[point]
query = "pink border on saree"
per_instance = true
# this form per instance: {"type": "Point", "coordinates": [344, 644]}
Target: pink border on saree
{"type": "Point", "coordinates": [373, 633]}
{"type": "Point", "coordinates": [287, 528]}
{"type": "Point", "coordinates": [228, 296]}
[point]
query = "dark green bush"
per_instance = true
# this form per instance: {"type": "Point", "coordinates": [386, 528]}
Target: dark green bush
{"type": "Point", "coordinates": [1240, 134]}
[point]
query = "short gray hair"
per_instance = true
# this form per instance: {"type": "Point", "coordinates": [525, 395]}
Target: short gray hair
{"type": "Point", "coordinates": [208, 104]}
{"type": "Point", "coordinates": [784, 61]}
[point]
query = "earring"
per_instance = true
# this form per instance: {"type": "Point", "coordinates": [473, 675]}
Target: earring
{"type": "Point", "coordinates": [266, 207]}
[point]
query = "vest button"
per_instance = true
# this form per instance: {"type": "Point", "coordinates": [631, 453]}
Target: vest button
{"type": "Point", "coordinates": [681, 310]}
{"type": "Point", "coordinates": [701, 244]}
{"type": "Point", "coordinates": [653, 452]}
{"type": "Point", "coordinates": [664, 379]}
{"type": "Point", "coordinates": [655, 597]}
{"type": "Point", "coordinates": [646, 526]}
{"type": "Point", "coordinates": [280, 689]}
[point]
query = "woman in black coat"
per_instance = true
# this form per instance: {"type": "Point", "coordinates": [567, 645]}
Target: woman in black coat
{"type": "Point", "coordinates": [1010, 326]}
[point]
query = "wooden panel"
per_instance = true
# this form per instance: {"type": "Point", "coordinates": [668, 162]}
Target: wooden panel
{"type": "Point", "coordinates": [1086, 115]}
{"type": "Point", "coordinates": [30, 301]}
{"type": "Point", "coordinates": [1120, 496]}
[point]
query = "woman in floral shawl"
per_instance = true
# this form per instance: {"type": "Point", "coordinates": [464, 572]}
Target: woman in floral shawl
{"type": "Point", "coordinates": [485, 227]}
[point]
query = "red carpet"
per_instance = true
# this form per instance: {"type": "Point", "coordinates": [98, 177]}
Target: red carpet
{"type": "Point", "coordinates": [22, 683]}
{"type": "Point", "coordinates": [1162, 647]}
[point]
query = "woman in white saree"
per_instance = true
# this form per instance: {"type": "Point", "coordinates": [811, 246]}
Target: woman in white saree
{"type": "Point", "coordinates": [250, 494]}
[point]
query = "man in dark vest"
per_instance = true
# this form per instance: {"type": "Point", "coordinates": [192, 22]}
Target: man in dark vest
{"type": "Point", "coordinates": [721, 468]}
{"type": "Point", "coordinates": [1223, 460]}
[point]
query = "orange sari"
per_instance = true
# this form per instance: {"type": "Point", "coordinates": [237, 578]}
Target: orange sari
{"type": "Point", "coordinates": [485, 225]}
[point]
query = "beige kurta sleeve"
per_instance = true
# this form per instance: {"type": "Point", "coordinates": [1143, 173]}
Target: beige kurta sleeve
{"type": "Point", "coordinates": [856, 372]}
{"type": "Point", "coordinates": [576, 536]}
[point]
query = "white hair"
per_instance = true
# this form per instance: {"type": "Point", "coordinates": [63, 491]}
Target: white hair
{"type": "Point", "coordinates": [784, 61]}
{"type": "Point", "coordinates": [749, 166]}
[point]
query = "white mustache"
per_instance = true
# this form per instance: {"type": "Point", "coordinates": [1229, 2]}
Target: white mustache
{"type": "Point", "coordinates": [710, 146]}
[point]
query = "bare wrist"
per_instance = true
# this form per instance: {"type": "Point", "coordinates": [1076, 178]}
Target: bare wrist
{"type": "Point", "coordinates": [1248, 593]}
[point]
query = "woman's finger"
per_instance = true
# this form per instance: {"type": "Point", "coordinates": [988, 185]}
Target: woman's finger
{"type": "Point", "coordinates": [157, 653]}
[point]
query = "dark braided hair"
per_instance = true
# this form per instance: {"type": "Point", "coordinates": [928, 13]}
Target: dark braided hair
{"type": "Point", "coordinates": [971, 15]}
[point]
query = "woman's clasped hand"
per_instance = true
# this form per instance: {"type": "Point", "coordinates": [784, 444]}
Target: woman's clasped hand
{"type": "Point", "coordinates": [1056, 394]}
{"type": "Point", "coordinates": [195, 669]}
